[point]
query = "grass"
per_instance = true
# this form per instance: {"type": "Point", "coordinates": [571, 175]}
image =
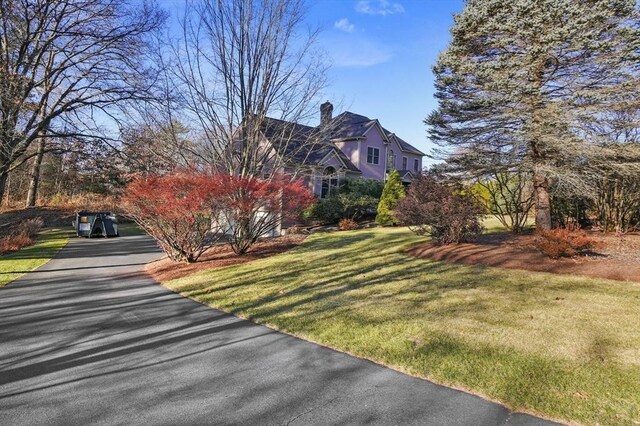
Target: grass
{"type": "Point", "coordinates": [29, 258]}
{"type": "Point", "coordinates": [560, 346]}
{"type": "Point", "coordinates": [492, 225]}
{"type": "Point", "coordinates": [128, 229]}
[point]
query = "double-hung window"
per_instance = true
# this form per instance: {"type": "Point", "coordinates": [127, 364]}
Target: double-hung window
{"type": "Point", "coordinates": [373, 155]}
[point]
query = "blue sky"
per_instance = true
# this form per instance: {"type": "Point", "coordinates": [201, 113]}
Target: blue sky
{"type": "Point", "coordinates": [382, 52]}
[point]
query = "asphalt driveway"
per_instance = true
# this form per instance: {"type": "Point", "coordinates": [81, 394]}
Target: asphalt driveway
{"type": "Point", "coordinates": [89, 339]}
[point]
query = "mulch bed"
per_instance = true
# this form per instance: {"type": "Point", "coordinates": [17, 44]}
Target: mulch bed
{"type": "Point", "coordinates": [219, 256]}
{"type": "Point", "coordinates": [619, 259]}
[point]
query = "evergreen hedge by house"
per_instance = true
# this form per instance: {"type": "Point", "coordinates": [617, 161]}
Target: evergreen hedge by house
{"type": "Point", "coordinates": [392, 193]}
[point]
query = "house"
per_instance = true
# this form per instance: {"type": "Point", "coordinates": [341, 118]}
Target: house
{"type": "Point", "coordinates": [346, 146]}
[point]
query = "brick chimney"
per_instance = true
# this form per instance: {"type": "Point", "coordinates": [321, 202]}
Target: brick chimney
{"type": "Point", "coordinates": [326, 113]}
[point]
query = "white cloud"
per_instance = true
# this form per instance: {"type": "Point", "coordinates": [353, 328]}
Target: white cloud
{"type": "Point", "coordinates": [344, 25]}
{"type": "Point", "coordinates": [379, 7]}
{"type": "Point", "coordinates": [358, 53]}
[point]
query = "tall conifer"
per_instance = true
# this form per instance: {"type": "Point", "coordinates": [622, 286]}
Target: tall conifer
{"type": "Point", "coordinates": [521, 80]}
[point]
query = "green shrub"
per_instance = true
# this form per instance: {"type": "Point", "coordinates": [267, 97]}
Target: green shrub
{"type": "Point", "coordinates": [354, 199]}
{"type": "Point", "coordinates": [392, 193]}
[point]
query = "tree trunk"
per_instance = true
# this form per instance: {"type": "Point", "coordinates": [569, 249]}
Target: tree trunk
{"type": "Point", "coordinates": [543, 206]}
{"type": "Point", "coordinates": [3, 185]}
{"type": "Point", "coordinates": [35, 175]}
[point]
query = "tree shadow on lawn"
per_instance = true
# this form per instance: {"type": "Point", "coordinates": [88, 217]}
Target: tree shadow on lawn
{"type": "Point", "coordinates": [329, 283]}
{"type": "Point", "coordinates": [265, 291]}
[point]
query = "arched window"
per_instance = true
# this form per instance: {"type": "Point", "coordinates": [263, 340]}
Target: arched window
{"type": "Point", "coordinates": [391, 161]}
{"type": "Point", "coordinates": [329, 180]}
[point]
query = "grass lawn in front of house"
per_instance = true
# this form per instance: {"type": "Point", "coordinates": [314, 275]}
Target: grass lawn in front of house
{"type": "Point", "coordinates": [48, 243]}
{"type": "Point", "coordinates": [561, 346]}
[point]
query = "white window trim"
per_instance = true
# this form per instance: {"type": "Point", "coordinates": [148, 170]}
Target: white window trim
{"type": "Point", "coordinates": [373, 155]}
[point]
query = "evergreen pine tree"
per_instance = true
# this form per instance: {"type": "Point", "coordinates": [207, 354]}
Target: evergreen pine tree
{"type": "Point", "coordinates": [392, 192]}
{"type": "Point", "coordinates": [522, 82]}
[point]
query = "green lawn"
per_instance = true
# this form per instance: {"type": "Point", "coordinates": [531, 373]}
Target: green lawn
{"type": "Point", "coordinates": [492, 225]}
{"type": "Point", "coordinates": [29, 258]}
{"type": "Point", "coordinates": [561, 346]}
{"type": "Point", "coordinates": [128, 229]}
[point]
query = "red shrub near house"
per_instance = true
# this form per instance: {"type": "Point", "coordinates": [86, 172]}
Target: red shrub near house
{"type": "Point", "coordinates": [187, 212]}
{"type": "Point", "coordinates": [255, 207]}
{"type": "Point", "coordinates": [439, 209]}
{"type": "Point", "coordinates": [176, 210]}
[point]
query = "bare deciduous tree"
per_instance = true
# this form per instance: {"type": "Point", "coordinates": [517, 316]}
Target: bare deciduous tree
{"type": "Point", "coordinates": [509, 197]}
{"type": "Point", "coordinates": [64, 67]}
{"type": "Point", "coordinates": [239, 62]}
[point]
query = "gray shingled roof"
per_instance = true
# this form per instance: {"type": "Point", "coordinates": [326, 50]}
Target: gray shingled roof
{"type": "Point", "coordinates": [302, 144]}
{"type": "Point", "coordinates": [296, 138]}
{"type": "Point", "coordinates": [349, 125]}
{"type": "Point", "coordinates": [405, 146]}
{"type": "Point", "coordinates": [403, 173]}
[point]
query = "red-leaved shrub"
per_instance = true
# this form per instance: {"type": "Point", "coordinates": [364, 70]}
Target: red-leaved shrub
{"type": "Point", "coordinates": [176, 210]}
{"type": "Point", "coordinates": [347, 225]}
{"type": "Point", "coordinates": [20, 236]}
{"type": "Point", "coordinates": [187, 212]}
{"type": "Point", "coordinates": [564, 242]}
{"type": "Point", "coordinates": [252, 208]}
{"type": "Point", "coordinates": [443, 211]}
{"type": "Point", "coordinates": [11, 243]}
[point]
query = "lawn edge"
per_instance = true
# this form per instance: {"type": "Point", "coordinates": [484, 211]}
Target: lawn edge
{"type": "Point", "coordinates": [391, 367]}
{"type": "Point", "coordinates": [68, 238]}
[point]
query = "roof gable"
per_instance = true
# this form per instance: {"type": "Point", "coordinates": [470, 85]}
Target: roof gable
{"type": "Point", "coordinates": [402, 144]}
{"type": "Point", "coordinates": [302, 144]}
{"type": "Point", "coordinates": [350, 126]}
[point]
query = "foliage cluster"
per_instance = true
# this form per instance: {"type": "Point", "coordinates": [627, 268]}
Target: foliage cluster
{"type": "Point", "coordinates": [176, 210]}
{"type": "Point", "coordinates": [392, 193]}
{"type": "Point", "coordinates": [187, 213]}
{"type": "Point", "coordinates": [347, 225]}
{"type": "Point", "coordinates": [354, 199]}
{"type": "Point", "coordinates": [442, 210]}
{"type": "Point", "coordinates": [20, 236]}
{"type": "Point", "coordinates": [564, 242]}
{"type": "Point", "coordinates": [248, 208]}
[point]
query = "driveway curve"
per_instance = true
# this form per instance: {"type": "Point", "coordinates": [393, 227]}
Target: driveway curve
{"type": "Point", "coordinates": [90, 339]}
